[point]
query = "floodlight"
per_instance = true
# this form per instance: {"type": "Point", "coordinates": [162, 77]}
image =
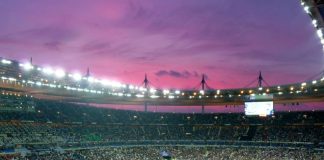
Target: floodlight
{"type": "Point", "coordinates": [48, 70]}
{"type": "Point", "coordinates": [314, 22]}
{"type": "Point", "coordinates": [139, 95]}
{"type": "Point", "coordinates": [28, 66]}
{"type": "Point", "coordinates": [319, 33]}
{"type": "Point", "coordinates": [59, 73]}
{"type": "Point", "coordinates": [131, 87]}
{"type": "Point", "coordinates": [91, 79]}
{"type": "Point", "coordinates": [152, 90]}
{"type": "Point", "coordinates": [165, 91]}
{"type": "Point", "coordinates": [306, 8]}
{"type": "Point", "coordinates": [4, 61]}
{"type": "Point", "coordinates": [77, 76]}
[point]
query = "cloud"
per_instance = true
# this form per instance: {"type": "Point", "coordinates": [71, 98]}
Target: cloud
{"type": "Point", "coordinates": [53, 45]}
{"type": "Point", "coordinates": [94, 46]}
{"type": "Point", "coordinates": [178, 74]}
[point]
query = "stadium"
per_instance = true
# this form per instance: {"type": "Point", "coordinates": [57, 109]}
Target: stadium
{"type": "Point", "coordinates": [48, 113]}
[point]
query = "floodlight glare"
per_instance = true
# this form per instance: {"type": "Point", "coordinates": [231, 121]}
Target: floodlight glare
{"type": "Point", "coordinates": [48, 71]}
{"type": "Point", "coordinates": [116, 84]}
{"type": "Point", "coordinates": [59, 73]}
{"type": "Point", "coordinates": [28, 66]}
{"type": "Point", "coordinates": [91, 79]}
{"type": "Point", "coordinates": [314, 22]}
{"type": "Point", "coordinates": [165, 91]}
{"type": "Point", "coordinates": [4, 61]}
{"type": "Point", "coordinates": [306, 8]}
{"type": "Point", "coordinates": [322, 41]}
{"type": "Point", "coordinates": [104, 82]}
{"type": "Point", "coordinates": [131, 87]}
{"type": "Point", "coordinates": [77, 76]}
{"type": "Point", "coordinates": [319, 33]}
{"type": "Point", "coordinates": [152, 90]}
{"type": "Point", "coordinates": [139, 95]}
{"type": "Point", "coordinates": [154, 96]}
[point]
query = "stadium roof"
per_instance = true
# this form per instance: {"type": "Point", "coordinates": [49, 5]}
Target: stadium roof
{"type": "Point", "coordinates": [315, 9]}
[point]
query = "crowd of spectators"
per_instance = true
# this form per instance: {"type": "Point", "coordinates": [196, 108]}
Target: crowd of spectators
{"type": "Point", "coordinates": [60, 112]}
{"type": "Point", "coordinates": [176, 153]}
{"type": "Point", "coordinates": [67, 125]}
{"type": "Point", "coordinates": [20, 133]}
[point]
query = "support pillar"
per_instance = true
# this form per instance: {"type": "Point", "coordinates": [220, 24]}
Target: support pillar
{"type": "Point", "coordinates": [145, 106]}
{"type": "Point", "coordinates": [202, 108]}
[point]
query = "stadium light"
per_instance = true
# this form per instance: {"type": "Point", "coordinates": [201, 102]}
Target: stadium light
{"type": "Point", "coordinates": [76, 76]}
{"type": "Point", "coordinates": [314, 22]}
{"type": "Point", "coordinates": [97, 80]}
{"type": "Point", "coordinates": [12, 79]}
{"type": "Point", "coordinates": [91, 79]}
{"type": "Point", "coordinates": [142, 89]}
{"type": "Point", "coordinates": [314, 82]}
{"type": "Point", "coordinates": [59, 73]}
{"type": "Point", "coordinates": [131, 87]}
{"type": "Point", "coordinates": [165, 91]}
{"type": "Point", "coordinates": [322, 40]}
{"type": "Point", "coordinates": [154, 96]}
{"type": "Point", "coordinates": [152, 90]}
{"type": "Point", "coordinates": [177, 92]}
{"type": "Point", "coordinates": [27, 66]}
{"type": "Point", "coordinates": [4, 61]}
{"type": "Point", "coordinates": [140, 96]}
{"type": "Point", "coordinates": [104, 82]}
{"type": "Point", "coordinates": [202, 92]}
{"type": "Point", "coordinates": [306, 8]}
{"type": "Point", "coordinates": [48, 70]}
{"type": "Point", "coordinates": [319, 33]}
{"type": "Point", "coordinates": [116, 84]}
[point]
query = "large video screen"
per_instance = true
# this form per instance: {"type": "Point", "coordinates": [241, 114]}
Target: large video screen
{"type": "Point", "coordinates": [259, 108]}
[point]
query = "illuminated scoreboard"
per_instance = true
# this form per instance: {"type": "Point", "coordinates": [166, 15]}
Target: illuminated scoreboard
{"type": "Point", "coordinates": [259, 105]}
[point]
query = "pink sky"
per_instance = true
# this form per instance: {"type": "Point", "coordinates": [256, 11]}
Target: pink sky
{"type": "Point", "coordinates": [173, 41]}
